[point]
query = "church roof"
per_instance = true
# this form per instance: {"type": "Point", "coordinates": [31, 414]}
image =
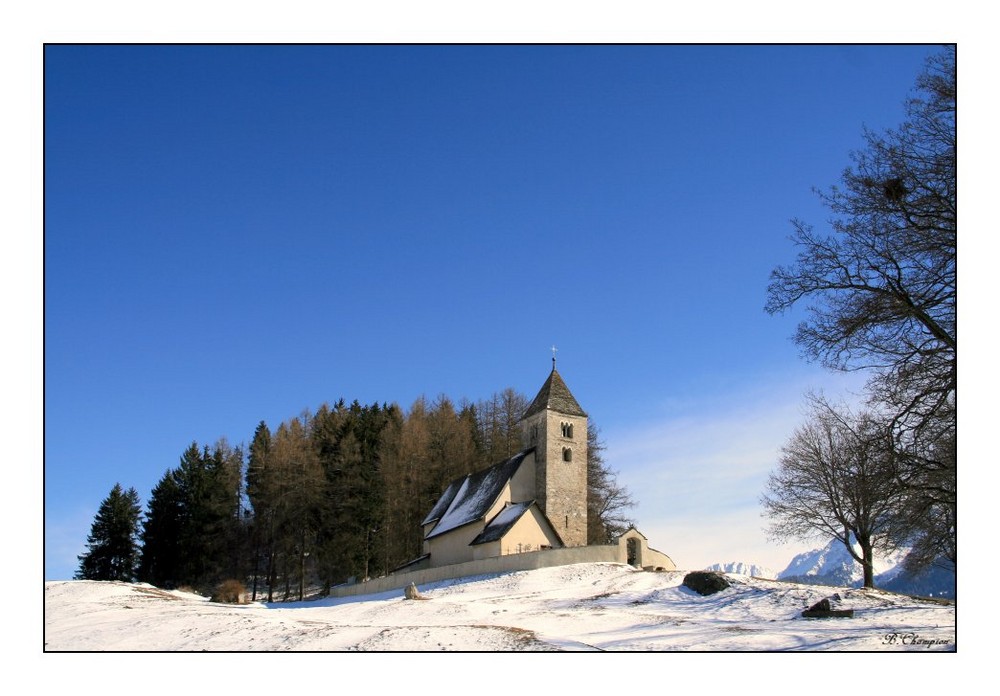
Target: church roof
{"type": "Point", "coordinates": [441, 506]}
{"type": "Point", "coordinates": [502, 522]}
{"type": "Point", "coordinates": [554, 395]}
{"type": "Point", "coordinates": [469, 498]}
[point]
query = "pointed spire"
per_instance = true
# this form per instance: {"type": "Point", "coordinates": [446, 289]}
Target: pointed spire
{"type": "Point", "coordinates": [554, 395]}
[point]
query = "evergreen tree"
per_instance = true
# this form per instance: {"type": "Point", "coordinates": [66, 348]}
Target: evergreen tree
{"type": "Point", "coordinates": [259, 489]}
{"type": "Point", "coordinates": [221, 528]}
{"type": "Point", "coordinates": [358, 493]}
{"type": "Point", "coordinates": [195, 553]}
{"type": "Point", "coordinates": [193, 529]}
{"type": "Point", "coordinates": [161, 532]}
{"type": "Point", "coordinates": [112, 546]}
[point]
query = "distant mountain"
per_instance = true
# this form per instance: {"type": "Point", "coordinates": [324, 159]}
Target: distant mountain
{"type": "Point", "coordinates": [833, 565]}
{"type": "Point", "coordinates": [741, 568]}
{"type": "Point", "coordinates": [934, 582]}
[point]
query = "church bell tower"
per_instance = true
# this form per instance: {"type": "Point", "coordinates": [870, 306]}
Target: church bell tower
{"type": "Point", "coordinates": [556, 427]}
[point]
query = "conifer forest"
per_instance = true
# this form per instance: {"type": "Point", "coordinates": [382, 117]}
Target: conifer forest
{"type": "Point", "coordinates": [323, 498]}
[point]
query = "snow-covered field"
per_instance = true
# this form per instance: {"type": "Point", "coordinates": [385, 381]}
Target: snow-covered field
{"type": "Point", "coordinates": [586, 607]}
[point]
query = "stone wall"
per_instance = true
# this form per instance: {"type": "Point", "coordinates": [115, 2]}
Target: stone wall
{"type": "Point", "coordinates": [560, 485]}
{"type": "Point", "coordinates": [612, 553]}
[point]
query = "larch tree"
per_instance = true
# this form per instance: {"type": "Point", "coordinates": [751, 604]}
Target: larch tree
{"type": "Point", "coordinates": [296, 499]}
{"type": "Point", "coordinates": [498, 425]}
{"type": "Point", "coordinates": [401, 524]}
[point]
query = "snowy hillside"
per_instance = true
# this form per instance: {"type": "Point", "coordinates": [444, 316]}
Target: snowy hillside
{"type": "Point", "coordinates": [584, 607]}
{"type": "Point", "coordinates": [741, 568]}
{"type": "Point", "coordinates": [833, 565]}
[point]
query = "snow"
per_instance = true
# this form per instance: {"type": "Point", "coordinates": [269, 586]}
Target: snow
{"type": "Point", "coordinates": [477, 494]}
{"type": "Point", "coordinates": [509, 514]}
{"type": "Point", "coordinates": [583, 607]}
{"type": "Point", "coordinates": [744, 568]}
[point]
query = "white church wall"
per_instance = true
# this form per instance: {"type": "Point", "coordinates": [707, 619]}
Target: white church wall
{"type": "Point", "coordinates": [522, 483]}
{"type": "Point", "coordinates": [453, 547]}
{"type": "Point", "coordinates": [530, 533]}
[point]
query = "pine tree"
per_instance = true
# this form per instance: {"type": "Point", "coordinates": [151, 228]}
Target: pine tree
{"type": "Point", "coordinates": [113, 549]}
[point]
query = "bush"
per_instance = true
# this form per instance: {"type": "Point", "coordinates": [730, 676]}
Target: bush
{"type": "Point", "coordinates": [706, 582]}
{"type": "Point", "coordinates": [229, 592]}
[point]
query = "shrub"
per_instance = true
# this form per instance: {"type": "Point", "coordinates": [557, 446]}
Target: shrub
{"type": "Point", "coordinates": [229, 592]}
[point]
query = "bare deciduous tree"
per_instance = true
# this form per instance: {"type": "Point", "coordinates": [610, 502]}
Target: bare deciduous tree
{"type": "Point", "coordinates": [881, 291]}
{"type": "Point", "coordinates": [882, 287]}
{"type": "Point", "coordinates": [607, 500]}
{"type": "Point", "coordinates": [836, 478]}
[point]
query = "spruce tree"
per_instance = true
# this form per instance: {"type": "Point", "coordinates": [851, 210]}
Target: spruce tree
{"type": "Point", "coordinates": [160, 564]}
{"type": "Point", "coordinates": [259, 487]}
{"type": "Point", "coordinates": [193, 530]}
{"type": "Point", "coordinates": [113, 549]}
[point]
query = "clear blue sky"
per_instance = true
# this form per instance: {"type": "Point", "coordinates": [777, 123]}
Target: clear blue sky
{"type": "Point", "coordinates": [238, 233]}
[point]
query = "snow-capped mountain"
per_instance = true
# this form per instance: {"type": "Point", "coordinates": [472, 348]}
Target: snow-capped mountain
{"type": "Point", "coordinates": [742, 568]}
{"type": "Point", "coordinates": [833, 565]}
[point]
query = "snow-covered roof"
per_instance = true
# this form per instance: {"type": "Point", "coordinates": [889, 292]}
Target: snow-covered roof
{"type": "Point", "coordinates": [502, 522]}
{"type": "Point", "coordinates": [470, 498]}
{"type": "Point", "coordinates": [441, 506]}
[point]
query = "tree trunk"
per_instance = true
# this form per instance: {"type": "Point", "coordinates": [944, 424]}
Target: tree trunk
{"type": "Point", "coordinates": [270, 575]}
{"type": "Point", "coordinates": [302, 566]}
{"type": "Point", "coordinates": [256, 567]}
{"type": "Point", "coordinates": [867, 563]}
{"type": "Point", "coordinates": [270, 558]}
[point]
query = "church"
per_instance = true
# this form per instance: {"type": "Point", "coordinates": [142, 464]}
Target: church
{"type": "Point", "coordinates": [527, 512]}
{"type": "Point", "coordinates": [535, 500]}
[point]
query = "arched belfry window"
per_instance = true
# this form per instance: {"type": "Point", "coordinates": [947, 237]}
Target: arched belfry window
{"type": "Point", "coordinates": [567, 454]}
{"type": "Point", "coordinates": [567, 430]}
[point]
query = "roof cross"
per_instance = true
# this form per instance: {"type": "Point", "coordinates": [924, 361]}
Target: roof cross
{"type": "Point", "coordinates": [554, 349]}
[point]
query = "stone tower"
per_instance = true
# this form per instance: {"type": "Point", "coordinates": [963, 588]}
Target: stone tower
{"type": "Point", "coordinates": [556, 427]}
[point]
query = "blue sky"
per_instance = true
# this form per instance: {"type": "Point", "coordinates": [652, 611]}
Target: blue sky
{"type": "Point", "coordinates": [238, 233]}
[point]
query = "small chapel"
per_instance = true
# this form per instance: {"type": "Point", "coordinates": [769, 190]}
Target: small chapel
{"type": "Point", "coordinates": [535, 500]}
